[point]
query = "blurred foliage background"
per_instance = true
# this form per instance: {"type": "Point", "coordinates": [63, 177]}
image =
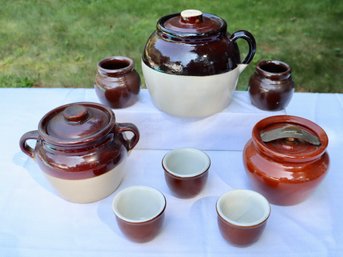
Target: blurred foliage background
{"type": "Point", "coordinates": [58, 43]}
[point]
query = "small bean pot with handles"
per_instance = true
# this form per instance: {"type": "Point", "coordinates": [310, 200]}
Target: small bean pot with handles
{"type": "Point", "coordinates": [191, 64]}
{"type": "Point", "coordinates": [81, 150]}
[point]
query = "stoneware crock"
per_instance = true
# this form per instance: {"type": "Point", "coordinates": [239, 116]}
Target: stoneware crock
{"type": "Point", "coordinates": [186, 171]}
{"type": "Point", "coordinates": [139, 212]}
{"type": "Point", "coordinates": [271, 86]}
{"type": "Point", "coordinates": [286, 158]}
{"type": "Point", "coordinates": [117, 83]}
{"type": "Point", "coordinates": [242, 216]}
{"type": "Point", "coordinates": [81, 150]}
{"type": "Point", "coordinates": [191, 64]}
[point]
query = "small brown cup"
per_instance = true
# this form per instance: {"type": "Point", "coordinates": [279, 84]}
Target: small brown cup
{"type": "Point", "coordinates": [139, 211]}
{"type": "Point", "coordinates": [186, 171]}
{"type": "Point", "coordinates": [242, 216]}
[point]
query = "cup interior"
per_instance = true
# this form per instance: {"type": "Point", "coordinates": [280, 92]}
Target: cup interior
{"type": "Point", "coordinates": [138, 204]}
{"type": "Point", "coordinates": [186, 162]}
{"type": "Point", "coordinates": [243, 208]}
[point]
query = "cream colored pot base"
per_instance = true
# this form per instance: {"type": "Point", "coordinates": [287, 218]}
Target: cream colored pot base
{"type": "Point", "coordinates": [191, 96]}
{"type": "Point", "coordinates": [91, 189]}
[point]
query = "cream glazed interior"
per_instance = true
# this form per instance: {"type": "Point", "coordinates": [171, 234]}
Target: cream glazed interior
{"type": "Point", "coordinates": [244, 208]}
{"type": "Point", "coordinates": [191, 96]}
{"type": "Point", "coordinates": [138, 204]}
{"type": "Point", "coordinates": [186, 162]}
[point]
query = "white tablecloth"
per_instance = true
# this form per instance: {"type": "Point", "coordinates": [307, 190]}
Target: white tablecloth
{"type": "Point", "coordinates": [35, 222]}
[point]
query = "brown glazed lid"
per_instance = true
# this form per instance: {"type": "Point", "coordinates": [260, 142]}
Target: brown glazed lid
{"type": "Point", "coordinates": [290, 138]}
{"type": "Point", "coordinates": [76, 124]}
{"type": "Point", "coordinates": [191, 23]}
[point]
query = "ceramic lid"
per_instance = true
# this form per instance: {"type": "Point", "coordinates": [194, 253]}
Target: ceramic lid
{"type": "Point", "coordinates": [290, 138]}
{"type": "Point", "coordinates": [191, 23]}
{"type": "Point", "coordinates": [76, 123]}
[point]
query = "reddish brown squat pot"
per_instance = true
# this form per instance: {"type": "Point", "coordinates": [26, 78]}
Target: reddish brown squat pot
{"type": "Point", "coordinates": [271, 86]}
{"type": "Point", "coordinates": [288, 167]}
{"type": "Point", "coordinates": [117, 83]}
{"type": "Point", "coordinates": [81, 150]}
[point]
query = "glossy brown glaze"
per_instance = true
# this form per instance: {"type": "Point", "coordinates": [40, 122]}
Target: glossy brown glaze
{"type": "Point", "coordinates": [271, 86]}
{"type": "Point", "coordinates": [195, 45]}
{"type": "Point", "coordinates": [141, 231]}
{"type": "Point", "coordinates": [117, 83]}
{"type": "Point", "coordinates": [286, 171]}
{"type": "Point", "coordinates": [78, 141]}
{"type": "Point", "coordinates": [240, 236]}
{"type": "Point", "coordinates": [186, 187]}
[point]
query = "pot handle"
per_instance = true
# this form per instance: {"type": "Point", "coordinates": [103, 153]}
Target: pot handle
{"type": "Point", "coordinates": [128, 127]}
{"type": "Point", "coordinates": [247, 36]}
{"type": "Point", "coordinates": [290, 132]}
{"type": "Point", "coordinates": [28, 150]}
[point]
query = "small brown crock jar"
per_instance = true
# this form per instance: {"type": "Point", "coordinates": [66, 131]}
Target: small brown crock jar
{"type": "Point", "coordinates": [81, 150]}
{"type": "Point", "coordinates": [286, 158]}
{"type": "Point", "coordinates": [271, 86]}
{"type": "Point", "coordinates": [117, 83]}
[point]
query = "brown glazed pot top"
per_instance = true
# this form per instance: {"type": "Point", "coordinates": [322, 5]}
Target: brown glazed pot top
{"type": "Point", "coordinates": [76, 124]}
{"type": "Point", "coordinates": [193, 43]}
{"type": "Point", "coordinates": [286, 149]}
{"type": "Point", "coordinates": [79, 140]}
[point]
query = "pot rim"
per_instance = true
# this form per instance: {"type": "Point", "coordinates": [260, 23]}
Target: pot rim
{"type": "Point", "coordinates": [268, 74]}
{"type": "Point", "coordinates": [119, 71]}
{"type": "Point", "coordinates": [290, 157]}
{"type": "Point", "coordinates": [93, 138]}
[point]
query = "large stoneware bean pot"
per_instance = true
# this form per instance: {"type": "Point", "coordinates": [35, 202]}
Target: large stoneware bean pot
{"type": "Point", "coordinates": [191, 64]}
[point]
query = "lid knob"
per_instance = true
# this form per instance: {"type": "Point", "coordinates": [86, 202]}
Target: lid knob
{"type": "Point", "coordinates": [191, 16]}
{"type": "Point", "coordinates": [75, 113]}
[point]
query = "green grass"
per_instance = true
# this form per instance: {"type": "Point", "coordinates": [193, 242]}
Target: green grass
{"type": "Point", "coordinates": [58, 43]}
